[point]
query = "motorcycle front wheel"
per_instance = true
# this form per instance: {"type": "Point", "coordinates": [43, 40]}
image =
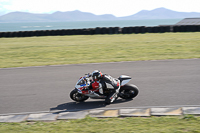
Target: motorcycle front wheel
{"type": "Point", "coordinates": [128, 91]}
{"type": "Point", "coordinates": [74, 95]}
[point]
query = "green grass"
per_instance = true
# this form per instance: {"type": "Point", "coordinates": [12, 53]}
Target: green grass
{"type": "Point", "coordinates": [56, 50]}
{"type": "Point", "coordinates": [167, 124]}
{"type": "Point", "coordinates": [39, 51]}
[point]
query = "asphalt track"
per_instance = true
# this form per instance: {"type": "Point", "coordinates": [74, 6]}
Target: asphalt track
{"type": "Point", "coordinates": [47, 88]}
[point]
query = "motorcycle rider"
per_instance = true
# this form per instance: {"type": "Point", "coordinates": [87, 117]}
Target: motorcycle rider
{"type": "Point", "coordinates": [100, 77]}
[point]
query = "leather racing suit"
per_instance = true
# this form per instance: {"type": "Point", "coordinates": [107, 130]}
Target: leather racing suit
{"type": "Point", "coordinates": [116, 85]}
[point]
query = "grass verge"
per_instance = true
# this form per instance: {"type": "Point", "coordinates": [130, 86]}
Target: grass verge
{"type": "Point", "coordinates": [56, 50]}
{"type": "Point", "coordinates": [167, 124]}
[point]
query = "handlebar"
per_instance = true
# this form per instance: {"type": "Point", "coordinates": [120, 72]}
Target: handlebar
{"type": "Point", "coordinates": [88, 75]}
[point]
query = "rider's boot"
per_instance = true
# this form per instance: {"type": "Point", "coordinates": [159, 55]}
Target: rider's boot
{"type": "Point", "coordinates": [112, 97]}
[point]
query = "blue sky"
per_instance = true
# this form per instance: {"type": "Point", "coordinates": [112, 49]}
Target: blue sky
{"type": "Point", "coordinates": [116, 7]}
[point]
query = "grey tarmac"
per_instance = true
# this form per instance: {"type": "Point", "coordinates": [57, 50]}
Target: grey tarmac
{"type": "Point", "coordinates": [47, 88]}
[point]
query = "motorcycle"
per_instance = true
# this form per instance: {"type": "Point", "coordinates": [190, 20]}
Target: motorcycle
{"type": "Point", "coordinates": [99, 90]}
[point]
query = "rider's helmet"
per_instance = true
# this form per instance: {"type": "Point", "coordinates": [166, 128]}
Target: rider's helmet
{"type": "Point", "coordinates": [96, 75]}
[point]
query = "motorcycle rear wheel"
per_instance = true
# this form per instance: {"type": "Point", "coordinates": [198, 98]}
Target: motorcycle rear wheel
{"type": "Point", "coordinates": [128, 91]}
{"type": "Point", "coordinates": [74, 95]}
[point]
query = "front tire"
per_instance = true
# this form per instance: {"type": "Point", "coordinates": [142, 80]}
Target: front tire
{"type": "Point", "coordinates": [128, 91]}
{"type": "Point", "coordinates": [74, 95]}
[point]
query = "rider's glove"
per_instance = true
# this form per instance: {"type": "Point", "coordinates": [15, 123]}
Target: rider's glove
{"type": "Point", "coordinates": [89, 75]}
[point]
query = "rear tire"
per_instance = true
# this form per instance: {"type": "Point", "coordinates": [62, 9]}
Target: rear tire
{"type": "Point", "coordinates": [128, 91]}
{"type": "Point", "coordinates": [74, 95]}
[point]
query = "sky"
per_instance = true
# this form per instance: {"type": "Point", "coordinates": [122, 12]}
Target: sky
{"type": "Point", "coordinates": [118, 8]}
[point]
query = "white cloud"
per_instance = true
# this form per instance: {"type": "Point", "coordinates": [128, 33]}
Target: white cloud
{"type": "Point", "coordinates": [3, 4]}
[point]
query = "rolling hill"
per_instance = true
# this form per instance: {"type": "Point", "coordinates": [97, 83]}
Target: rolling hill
{"type": "Point", "coordinates": [158, 13]}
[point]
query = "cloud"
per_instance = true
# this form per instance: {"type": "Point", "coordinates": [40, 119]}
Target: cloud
{"type": "Point", "coordinates": [3, 6]}
{"type": "Point", "coordinates": [5, 2]}
{"type": "Point", "coordinates": [2, 10]}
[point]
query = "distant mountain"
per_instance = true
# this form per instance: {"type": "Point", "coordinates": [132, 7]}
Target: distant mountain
{"type": "Point", "coordinates": [162, 13]}
{"type": "Point", "coordinates": [54, 17]}
{"type": "Point", "coordinates": [22, 17]}
{"type": "Point", "coordinates": [159, 13]}
{"type": "Point", "coordinates": [78, 16]}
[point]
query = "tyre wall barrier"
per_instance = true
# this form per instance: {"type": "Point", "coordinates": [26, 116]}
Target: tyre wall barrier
{"type": "Point", "coordinates": [186, 28]}
{"type": "Point", "coordinates": [104, 30]}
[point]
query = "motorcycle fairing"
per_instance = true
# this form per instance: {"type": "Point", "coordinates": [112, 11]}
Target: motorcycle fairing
{"type": "Point", "coordinates": [124, 79]}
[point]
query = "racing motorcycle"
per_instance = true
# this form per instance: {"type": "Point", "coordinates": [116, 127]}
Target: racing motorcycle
{"type": "Point", "coordinates": [86, 87]}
